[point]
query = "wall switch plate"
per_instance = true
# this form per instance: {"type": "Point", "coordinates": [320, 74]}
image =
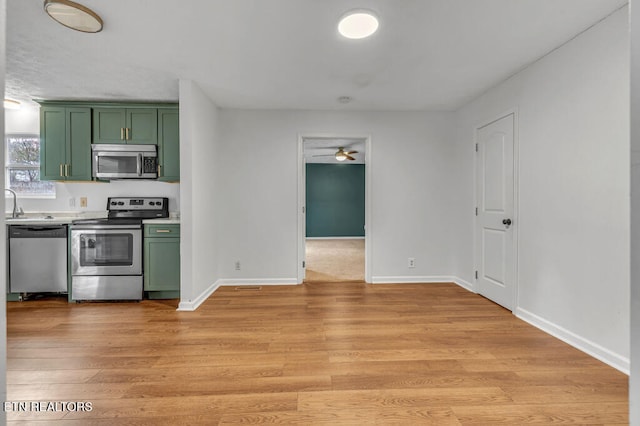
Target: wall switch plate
{"type": "Point", "coordinates": [411, 262]}
{"type": "Point", "coordinates": [237, 265]}
{"type": "Point", "coordinates": [83, 201]}
{"type": "Point", "coordinates": [72, 202]}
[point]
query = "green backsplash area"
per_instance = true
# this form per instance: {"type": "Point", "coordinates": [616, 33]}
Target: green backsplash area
{"type": "Point", "coordinates": [335, 200]}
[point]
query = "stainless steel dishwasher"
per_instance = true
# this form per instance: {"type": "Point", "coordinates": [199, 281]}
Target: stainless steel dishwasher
{"type": "Point", "coordinates": [37, 258]}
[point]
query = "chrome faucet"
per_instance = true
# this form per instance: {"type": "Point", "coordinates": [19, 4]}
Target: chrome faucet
{"type": "Point", "coordinates": [16, 212]}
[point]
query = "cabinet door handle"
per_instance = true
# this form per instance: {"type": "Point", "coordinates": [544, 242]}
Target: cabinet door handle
{"type": "Point", "coordinates": [61, 170]}
{"type": "Point", "coordinates": [121, 133]}
{"type": "Point", "coordinates": [66, 170]}
{"type": "Point", "coordinates": [126, 132]}
{"type": "Point", "coordinates": [159, 170]}
{"type": "Point", "coordinates": [163, 231]}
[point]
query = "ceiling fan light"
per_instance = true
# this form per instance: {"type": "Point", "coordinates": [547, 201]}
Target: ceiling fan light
{"type": "Point", "coordinates": [341, 156]}
{"type": "Point", "coordinates": [73, 15]}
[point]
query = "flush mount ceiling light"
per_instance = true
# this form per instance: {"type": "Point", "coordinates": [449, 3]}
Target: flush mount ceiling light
{"type": "Point", "coordinates": [358, 24]}
{"type": "Point", "coordinates": [73, 15]}
{"type": "Point", "coordinates": [11, 104]}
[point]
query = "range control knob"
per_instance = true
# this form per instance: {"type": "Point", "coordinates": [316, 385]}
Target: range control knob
{"type": "Point", "coordinates": [121, 203]}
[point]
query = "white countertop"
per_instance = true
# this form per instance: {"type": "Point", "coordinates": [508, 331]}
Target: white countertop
{"type": "Point", "coordinates": [65, 218]}
{"type": "Point", "coordinates": [164, 221]}
{"type": "Point", "coordinates": [52, 218]}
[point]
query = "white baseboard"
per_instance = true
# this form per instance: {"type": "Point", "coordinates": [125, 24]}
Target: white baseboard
{"type": "Point", "coordinates": [334, 238]}
{"type": "Point", "coordinates": [605, 355]}
{"type": "Point", "coordinates": [193, 305]}
{"type": "Point", "coordinates": [410, 279]}
{"type": "Point", "coordinates": [430, 279]}
{"type": "Point", "coordinates": [464, 284]}
{"type": "Point", "coordinates": [257, 281]}
{"type": "Point", "coordinates": [407, 279]}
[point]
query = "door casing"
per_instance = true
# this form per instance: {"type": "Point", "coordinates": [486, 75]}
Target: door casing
{"type": "Point", "coordinates": [301, 215]}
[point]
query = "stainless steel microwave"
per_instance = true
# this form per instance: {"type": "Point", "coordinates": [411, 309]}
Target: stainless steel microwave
{"type": "Point", "coordinates": [122, 161]}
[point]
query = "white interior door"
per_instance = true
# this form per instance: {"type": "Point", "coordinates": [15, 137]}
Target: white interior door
{"type": "Point", "coordinates": [495, 222]}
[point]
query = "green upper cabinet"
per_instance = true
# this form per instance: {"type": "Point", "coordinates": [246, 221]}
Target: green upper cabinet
{"type": "Point", "coordinates": [168, 145]}
{"type": "Point", "coordinates": [67, 130]}
{"type": "Point", "coordinates": [125, 125]}
{"type": "Point", "coordinates": [65, 143]}
{"type": "Point", "coordinates": [142, 125]}
{"type": "Point", "coordinates": [109, 125]}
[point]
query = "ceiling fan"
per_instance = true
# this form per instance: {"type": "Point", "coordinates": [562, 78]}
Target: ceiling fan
{"type": "Point", "coordinates": [340, 155]}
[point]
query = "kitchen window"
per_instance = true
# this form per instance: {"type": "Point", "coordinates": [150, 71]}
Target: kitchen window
{"type": "Point", "coordinates": [22, 167]}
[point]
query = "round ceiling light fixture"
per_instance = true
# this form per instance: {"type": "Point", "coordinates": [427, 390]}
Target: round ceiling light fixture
{"type": "Point", "coordinates": [73, 15]}
{"type": "Point", "coordinates": [358, 24]}
{"type": "Point", "coordinates": [11, 104]}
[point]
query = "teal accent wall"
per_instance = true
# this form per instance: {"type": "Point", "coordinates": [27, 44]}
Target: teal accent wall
{"type": "Point", "coordinates": [335, 200]}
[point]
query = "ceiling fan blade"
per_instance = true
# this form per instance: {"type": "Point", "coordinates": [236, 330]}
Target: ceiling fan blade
{"type": "Point", "coordinates": [350, 157]}
{"type": "Point", "coordinates": [350, 152]}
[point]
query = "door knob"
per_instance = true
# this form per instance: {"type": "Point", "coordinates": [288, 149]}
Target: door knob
{"type": "Point", "coordinates": [506, 222]}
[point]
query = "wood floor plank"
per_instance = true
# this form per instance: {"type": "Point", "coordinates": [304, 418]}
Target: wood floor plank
{"type": "Point", "coordinates": [400, 398]}
{"type": "Point", "coordinates": [426, 354]}
{"type": "Point", "coordinates": [544, 414]}
{"type": "Point", "coordinates": [27, 377]}
{"type": "Point", "coordinates": [213, 406]}
{"type": "Point", "coordinates": [321, 353]}
{"type": "Point", "coordinates": [569, 393]}
{"type": "Point", "coordinates": [231, 385]}
{"type": "Point", "coordinates": [66, 391]}
{"type": "Point", "coordinates": [358, 417]}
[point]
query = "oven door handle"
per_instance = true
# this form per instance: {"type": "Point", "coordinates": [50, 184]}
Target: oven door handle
{"type": "Point", "coordinates": [139, 164]}
{"type": "Point", "coordinates": [92, 229]}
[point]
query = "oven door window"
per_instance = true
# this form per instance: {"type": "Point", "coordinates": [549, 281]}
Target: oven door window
{"type": "Point", "coordinates": [108, 249]}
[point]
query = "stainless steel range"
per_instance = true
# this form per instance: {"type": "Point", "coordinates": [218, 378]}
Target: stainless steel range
{"type": "Point", "coordinates": [106, 254]}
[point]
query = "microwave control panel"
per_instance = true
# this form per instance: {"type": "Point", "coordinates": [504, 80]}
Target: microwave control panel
{"type": "Point", "coordinates": [149, 165]}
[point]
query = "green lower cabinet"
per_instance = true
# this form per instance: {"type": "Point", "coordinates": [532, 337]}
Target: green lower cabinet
{"type": "Point", "coordinates": [162, 261]}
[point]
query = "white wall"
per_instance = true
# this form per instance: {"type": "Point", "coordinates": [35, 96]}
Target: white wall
{"type": "Point", "coordinates": [23, 120]}
{"type": "Point", "coordinates": [27, 120]}
{"type": "Point", "coordinates": [634, 381]}
{"type": "Point", "coordinates": [198, 162]}
{"type": "Point", "coordinates": [573, 270]}
{"type": "Point", "coordinates": [411, 160]}
{"type": "Point", "coordinates": [3, 254]}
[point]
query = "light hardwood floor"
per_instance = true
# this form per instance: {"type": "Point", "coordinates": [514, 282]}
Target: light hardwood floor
{"type": "Point", "coordinates": [314, 354]}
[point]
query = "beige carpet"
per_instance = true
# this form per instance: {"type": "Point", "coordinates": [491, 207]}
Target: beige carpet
{"type": "Point", "coordinates": [335, 260]}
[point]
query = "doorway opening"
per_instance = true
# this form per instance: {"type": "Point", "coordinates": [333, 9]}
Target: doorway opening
{"type": "Point", "coordinates": [333, 183]}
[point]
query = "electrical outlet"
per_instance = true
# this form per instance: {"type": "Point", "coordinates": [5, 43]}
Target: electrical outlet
{"type": "Point", "coordinates": [83, 201]}
{"type": "Point", "coordinates": [411, 262]}
{"type": "Point", "coordinates": [237, 265]}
